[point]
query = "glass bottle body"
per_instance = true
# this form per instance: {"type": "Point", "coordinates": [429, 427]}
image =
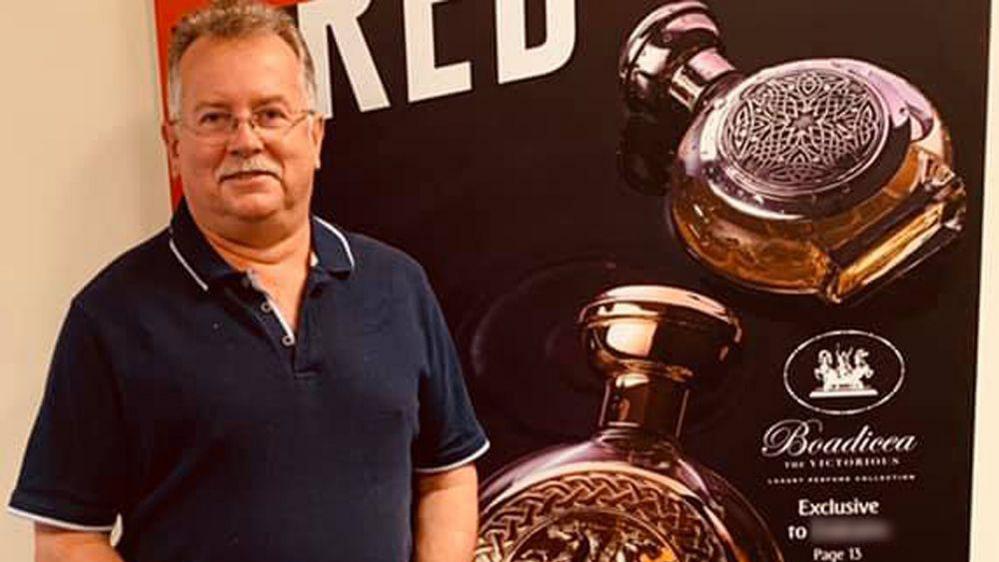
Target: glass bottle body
{"type": "Point", "coordinates": [834, 254]}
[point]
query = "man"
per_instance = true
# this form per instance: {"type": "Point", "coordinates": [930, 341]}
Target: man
{"type": "Point", "coordinates": [252, 383]}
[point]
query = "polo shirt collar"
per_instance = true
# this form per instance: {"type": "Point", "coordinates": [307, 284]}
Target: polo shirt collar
{"type": "Point", "coordinates": [194, 252]}
{"type": "Point", "coordinates": [330, 249]}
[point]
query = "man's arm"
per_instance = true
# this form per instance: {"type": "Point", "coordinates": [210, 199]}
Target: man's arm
{"type": "Point", "coordinates": [53, 544]}
{"type": "Point", "coordinates": [447, 515]}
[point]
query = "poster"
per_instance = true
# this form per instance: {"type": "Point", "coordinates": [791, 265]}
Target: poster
{"type": "Point", "coordinates": [483, 137]}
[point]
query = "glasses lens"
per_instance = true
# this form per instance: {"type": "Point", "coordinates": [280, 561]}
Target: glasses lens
{"type": "Point", "coordinates": [213, 123]}
{"type": "Point", "coordinates": [271, 119]}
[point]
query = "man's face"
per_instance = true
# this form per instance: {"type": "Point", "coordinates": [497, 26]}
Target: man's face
{"type": "Point", "coordinates": [248, 175]}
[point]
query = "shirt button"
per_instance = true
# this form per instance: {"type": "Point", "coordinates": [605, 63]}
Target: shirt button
{"type": "Point", "coordinates": [266, 307]}
{"type": "Point", "coordinates": [287, 341]}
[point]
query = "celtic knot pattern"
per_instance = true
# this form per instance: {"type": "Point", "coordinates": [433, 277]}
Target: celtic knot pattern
{"type": "Point", "coordinates": [594, 516]}
{"type": "Point", "coordinates": [805, 129]}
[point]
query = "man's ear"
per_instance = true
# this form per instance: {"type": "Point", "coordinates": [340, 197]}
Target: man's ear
{"type": "Point", "coordinates": [170, 143]}
{"type": "Point", "coordinates": [318, 132]}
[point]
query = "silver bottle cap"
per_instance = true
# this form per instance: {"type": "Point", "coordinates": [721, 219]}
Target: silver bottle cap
{"type": "Point", "coordinates": [673, 55]}
{"type": "Point", "coordinates": [657, 330]}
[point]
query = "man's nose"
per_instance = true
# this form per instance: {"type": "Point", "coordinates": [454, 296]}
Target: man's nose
{"type": "Point", "coordinates": [245, 139]}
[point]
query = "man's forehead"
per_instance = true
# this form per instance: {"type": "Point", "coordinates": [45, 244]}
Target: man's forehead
{"type": "Point", "coordinates": [216, 66]}
{"type": "Point", "coordinates": [262, 42]}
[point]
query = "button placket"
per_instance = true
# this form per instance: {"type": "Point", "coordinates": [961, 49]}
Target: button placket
{"type": "Point", "coordinates": [268, 307]}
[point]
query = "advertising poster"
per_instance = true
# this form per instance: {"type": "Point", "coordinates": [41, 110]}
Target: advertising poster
{"type": "Point", "coordinates": [712, 267]}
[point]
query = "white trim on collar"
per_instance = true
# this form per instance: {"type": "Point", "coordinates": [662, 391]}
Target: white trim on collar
{"type": "Point", "coordinates": [313, 258]}
{"type": "Point", "coordinates": [343, 239]}
{"type": "Point", "coordinates": [187, 266]}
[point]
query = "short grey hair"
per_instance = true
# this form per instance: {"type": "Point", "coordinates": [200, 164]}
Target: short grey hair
{"type": "Point", "coordinates": [234, 19]}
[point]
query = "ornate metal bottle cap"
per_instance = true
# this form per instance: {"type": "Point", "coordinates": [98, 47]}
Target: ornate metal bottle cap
{"type": "Point", "coordinates": [672, 56]}
{"type": "Point", "coordinates": [805, 139]}
{"type": "Point", "coordinates": [657, 330]}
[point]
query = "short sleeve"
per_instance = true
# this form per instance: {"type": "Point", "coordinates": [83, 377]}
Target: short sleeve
{"type": "Point", "coordinates": [449, 434]}
{"type": "Point", "coordinates": [72, 472]}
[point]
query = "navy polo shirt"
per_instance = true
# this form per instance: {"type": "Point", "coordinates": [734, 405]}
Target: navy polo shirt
{"type": "Point", "coordinates": [179, 399]}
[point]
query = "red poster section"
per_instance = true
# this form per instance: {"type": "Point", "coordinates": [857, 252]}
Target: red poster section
{"type": "Point", "coordinates": [168, 13]}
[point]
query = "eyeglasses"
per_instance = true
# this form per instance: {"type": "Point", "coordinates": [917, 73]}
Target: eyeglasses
{"type": "Point", "coordinates": [217, 126]}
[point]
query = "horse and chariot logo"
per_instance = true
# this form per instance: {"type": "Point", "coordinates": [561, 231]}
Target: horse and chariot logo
{"type": "Point", "coordinates": [844, 372]}
{"type": "Point", "coordinates": [846, 377]}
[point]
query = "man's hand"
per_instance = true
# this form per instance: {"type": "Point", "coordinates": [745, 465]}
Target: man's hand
{"type": "Point", "coordinates": [54, 544]}
{"type": "Point", "coordinates": [447, 515]}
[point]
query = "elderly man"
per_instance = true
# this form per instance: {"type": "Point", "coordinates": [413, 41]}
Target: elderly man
{"type": "Point", "coordinates": [252, 383]}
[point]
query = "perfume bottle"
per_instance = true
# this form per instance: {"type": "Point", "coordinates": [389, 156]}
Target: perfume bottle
{"type": "Point", "coordinates": [825, 176]}
{"type": "Point", "coordinates": [630, 494]}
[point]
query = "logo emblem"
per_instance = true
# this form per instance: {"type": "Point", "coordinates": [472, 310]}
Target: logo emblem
{"type": "Point", "coordinates": [844, 372]}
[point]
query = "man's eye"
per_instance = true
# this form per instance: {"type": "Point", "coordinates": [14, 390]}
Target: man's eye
{"type": "Point", "coordinates": [271, 117]}
{"type": "Point", "coordinates": [213, 119]}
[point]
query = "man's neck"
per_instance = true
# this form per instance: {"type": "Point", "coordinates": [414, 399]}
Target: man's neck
{"type": "Point", "coordinates": [259, 253]}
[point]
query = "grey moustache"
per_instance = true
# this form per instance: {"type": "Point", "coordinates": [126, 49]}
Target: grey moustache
{"type": "Point", "coordinates": [249, 167]}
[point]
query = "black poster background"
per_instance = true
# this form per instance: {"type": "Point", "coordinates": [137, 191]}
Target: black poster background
{"type": "Point", "coordinates": [509, 197]}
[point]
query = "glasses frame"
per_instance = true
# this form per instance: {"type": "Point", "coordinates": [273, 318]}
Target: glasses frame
{"type": "Point", "coordinates": [264, 133]}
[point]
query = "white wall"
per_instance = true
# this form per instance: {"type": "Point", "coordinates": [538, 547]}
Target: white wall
{"type": "Point", "coordinates": [82, 179]}
{"type": "Point", "coordinates": [985, 503]}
